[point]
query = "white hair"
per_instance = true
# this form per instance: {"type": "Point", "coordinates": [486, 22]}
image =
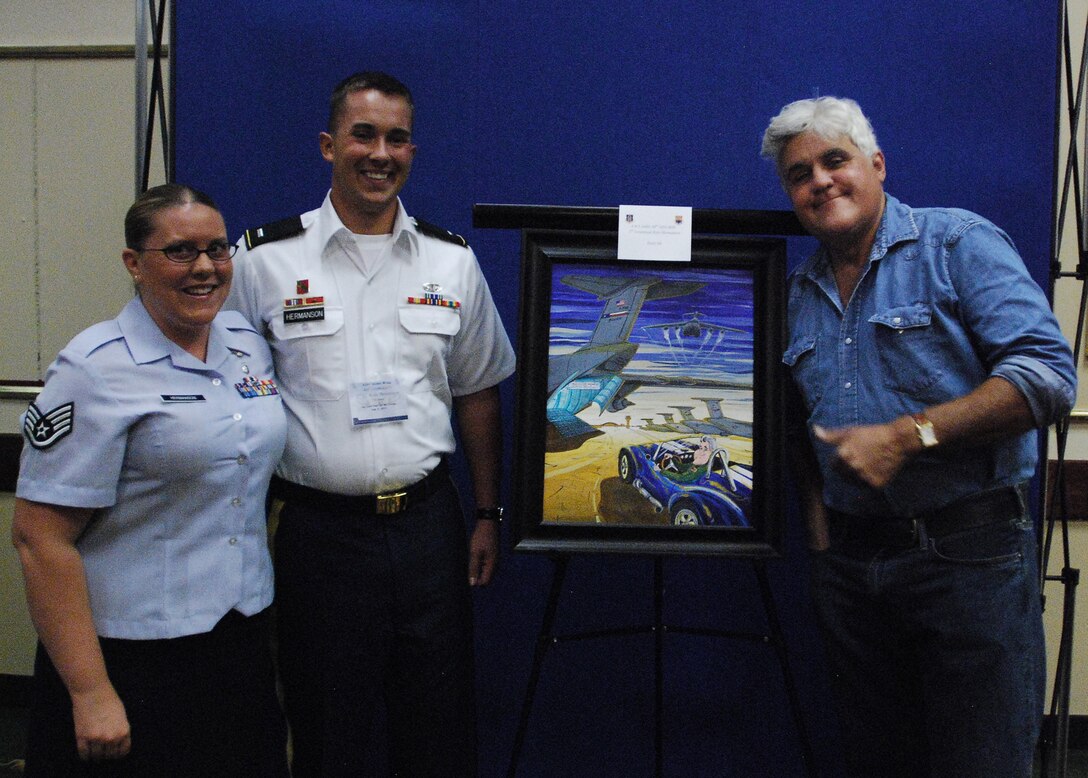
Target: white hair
{"type": "Point", "coordinates": [828, 117]}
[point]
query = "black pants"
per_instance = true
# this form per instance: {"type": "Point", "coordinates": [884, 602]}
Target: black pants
{"type": "Point", "coordinates": [375, 639]}
{"type": "Point", "coordinates": [197, 705]}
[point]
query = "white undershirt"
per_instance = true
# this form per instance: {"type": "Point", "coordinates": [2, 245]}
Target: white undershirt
{"type": "Point", "coordinates": [372, 250]}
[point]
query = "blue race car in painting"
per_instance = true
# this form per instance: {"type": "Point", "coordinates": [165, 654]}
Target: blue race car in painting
{"type": "Point", "coordinates": [692, 480]}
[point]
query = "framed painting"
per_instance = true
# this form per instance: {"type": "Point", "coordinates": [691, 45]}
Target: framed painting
{"type": "Point", "coordinates": [649, 397]}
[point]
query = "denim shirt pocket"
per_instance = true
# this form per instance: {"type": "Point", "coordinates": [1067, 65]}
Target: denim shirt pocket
{"type": "Point", "coordinates": [911, 358]}
{"type": "Point", "coordinates": [802, 358]}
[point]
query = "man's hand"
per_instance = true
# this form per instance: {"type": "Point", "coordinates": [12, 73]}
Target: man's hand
{"type": "Point", "coordinates": [483, 552]}
{"type": "Point", "coordinates": [871, 453]}
{"type": "Point", "coordinates": [102, 729]}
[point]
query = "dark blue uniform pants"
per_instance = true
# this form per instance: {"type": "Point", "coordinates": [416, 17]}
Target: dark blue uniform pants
{"type": "Point", "coordinates": [198, 705]}
{"type": "Point", "coordinates": [375, 639]}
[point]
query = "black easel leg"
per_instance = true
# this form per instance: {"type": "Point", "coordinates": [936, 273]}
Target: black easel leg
{"type": "Point", "coordinates": [1059, 704]}
{"type": "Point", "coordinates": [659, 655]}
{"type": "Point", "coordinates": [779, 642]}
{"type": "Point", "coordinates": [543, 643]}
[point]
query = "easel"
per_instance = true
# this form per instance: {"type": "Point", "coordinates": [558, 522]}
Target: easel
{"type": "Point", "coordinates": [547, 638]}
{"type": "Point", "coordinates": [717, 222]}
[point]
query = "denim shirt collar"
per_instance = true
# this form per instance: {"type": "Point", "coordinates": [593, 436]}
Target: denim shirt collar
{"type": "Point", "coordinates": [896, 226]}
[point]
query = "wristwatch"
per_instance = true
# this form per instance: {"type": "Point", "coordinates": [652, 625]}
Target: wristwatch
{"type": "Point", "coordinates": [924, 427]}
{"type": "Point", "coordinates": [489, 514]}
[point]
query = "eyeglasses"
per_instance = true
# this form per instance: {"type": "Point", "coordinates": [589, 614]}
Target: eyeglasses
{"type": "Point", "coordinates": [184, 253]}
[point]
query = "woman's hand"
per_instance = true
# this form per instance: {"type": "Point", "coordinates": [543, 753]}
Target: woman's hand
{"type": "Point", "coordinates": [102, 729]}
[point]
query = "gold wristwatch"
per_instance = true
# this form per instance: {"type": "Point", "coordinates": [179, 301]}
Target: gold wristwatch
{"type": "Point", "coordinates": [924, 427]}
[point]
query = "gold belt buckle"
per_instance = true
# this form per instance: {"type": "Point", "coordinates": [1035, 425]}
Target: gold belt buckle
{"type": "Point", "coordinates": [393, 502]}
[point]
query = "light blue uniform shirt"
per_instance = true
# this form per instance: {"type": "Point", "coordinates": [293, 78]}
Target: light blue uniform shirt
{"type": "Point", "coordinates": [177, 458]}
{"type": "Point", "coordinates": [944, 303]}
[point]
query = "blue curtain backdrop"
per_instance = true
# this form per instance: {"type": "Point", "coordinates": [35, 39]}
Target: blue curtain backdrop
{"type": "Point", "coordinates": [603, 103]}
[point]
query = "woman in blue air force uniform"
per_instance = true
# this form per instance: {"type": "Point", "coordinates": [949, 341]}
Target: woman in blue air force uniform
{"type": "Point", "coordinates": [140, 521]}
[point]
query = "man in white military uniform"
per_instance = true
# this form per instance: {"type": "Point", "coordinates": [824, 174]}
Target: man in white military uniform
{"type": "Point", "coordinates": [380, 327]}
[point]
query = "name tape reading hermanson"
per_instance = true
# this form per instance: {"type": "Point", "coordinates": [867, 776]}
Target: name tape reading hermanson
{"type": "Point", "coordinates": [304, 314]}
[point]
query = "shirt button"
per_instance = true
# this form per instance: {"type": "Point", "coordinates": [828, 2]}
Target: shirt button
{"type": "Point", "coordinates": [242, 459]}
{"type": "Point", "coordinates": [216, 382]}
{"type": "Point", "coordinates": [849, 341]}
{"type": "Point", "coordinates": [896, 320]}
{"type": "Point", "coordinates": [233, 541]}
{"type": "Point", "coordinates": [848, 384]}
{"type": "Point", "coordinates": [237, 417]}
{"type": "Point", "coordinates": [236, 501]}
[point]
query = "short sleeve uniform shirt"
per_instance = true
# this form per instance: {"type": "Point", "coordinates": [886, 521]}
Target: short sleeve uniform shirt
{"type": "Point", "coordinates": [175, 454]}
{"type": "Point", "coordinates": [423, 318]}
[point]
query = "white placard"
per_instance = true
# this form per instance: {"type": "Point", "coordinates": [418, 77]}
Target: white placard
{"type": "Point", "coordinates": [655, 232]}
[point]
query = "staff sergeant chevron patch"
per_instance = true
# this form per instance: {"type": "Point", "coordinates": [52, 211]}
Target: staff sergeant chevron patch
{"type": "Point", "coordinates": [45, 429]}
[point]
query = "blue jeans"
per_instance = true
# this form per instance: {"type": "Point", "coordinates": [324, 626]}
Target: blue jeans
{"type": "Point", "coordinates": [936, 650]}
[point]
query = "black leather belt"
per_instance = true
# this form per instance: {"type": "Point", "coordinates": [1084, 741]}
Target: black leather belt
{"type": "Point", "coordinates": [374, 504]}
{"type": "Point", "coordinates": [976, 510]}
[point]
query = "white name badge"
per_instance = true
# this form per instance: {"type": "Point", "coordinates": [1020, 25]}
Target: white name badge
{"type": "Point", "coordinates": [377, 402]}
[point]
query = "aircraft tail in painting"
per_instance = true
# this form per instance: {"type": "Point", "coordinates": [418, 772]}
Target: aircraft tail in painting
{"type": "Point", "coordinates": [593, 373]}
{"type": "Point", "coordinates": [724, 423]}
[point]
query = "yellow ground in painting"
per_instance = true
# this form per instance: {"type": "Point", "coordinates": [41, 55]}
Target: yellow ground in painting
{"type": "Point", "coordinates": [582, 486]}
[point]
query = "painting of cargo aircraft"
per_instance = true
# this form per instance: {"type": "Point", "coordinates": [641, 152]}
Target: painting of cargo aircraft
{"type": "Point", "coordinates": [598, 358]}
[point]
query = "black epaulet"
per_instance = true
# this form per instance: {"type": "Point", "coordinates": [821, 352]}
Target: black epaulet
{"type": "Point", "coordinates": [284, 228]}
{"type": "Point", "coordinates": [432, 231]}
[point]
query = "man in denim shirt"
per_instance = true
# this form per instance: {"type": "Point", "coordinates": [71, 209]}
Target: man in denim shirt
{"type": "Point", "coordinates": [925, 358]}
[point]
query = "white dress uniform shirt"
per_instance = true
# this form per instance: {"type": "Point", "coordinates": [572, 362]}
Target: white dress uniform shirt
{"type": "Point", "coordinates": [177, 454]}
{"type": "Point", "coordinates": [374, 326]}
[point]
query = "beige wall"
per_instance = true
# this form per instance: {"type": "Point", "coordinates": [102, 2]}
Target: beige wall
{"type": "Point", "coordinates": [67, 22]}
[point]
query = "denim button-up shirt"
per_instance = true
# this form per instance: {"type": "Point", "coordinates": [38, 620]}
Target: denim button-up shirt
{"type": "Point", "coordinates": [944, 303]}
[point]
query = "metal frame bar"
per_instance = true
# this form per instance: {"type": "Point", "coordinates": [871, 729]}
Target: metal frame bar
{"type": "Point", "coordinates": [1055, 741]}
{"type": "Point", "coordinates": [151, 98]}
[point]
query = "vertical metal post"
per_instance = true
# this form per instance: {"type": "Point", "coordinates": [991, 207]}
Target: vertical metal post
{"type": "Point", "coordinates": [141, 93]}
{"type": "Point", "coordinates": [1055, 741]}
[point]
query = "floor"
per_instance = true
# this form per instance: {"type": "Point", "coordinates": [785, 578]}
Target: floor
{"type": "Point", "coordinates": [13, 741]}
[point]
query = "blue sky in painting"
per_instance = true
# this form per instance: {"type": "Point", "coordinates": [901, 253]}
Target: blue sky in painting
{"type": "Point", "coordinates": [726, 300]}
